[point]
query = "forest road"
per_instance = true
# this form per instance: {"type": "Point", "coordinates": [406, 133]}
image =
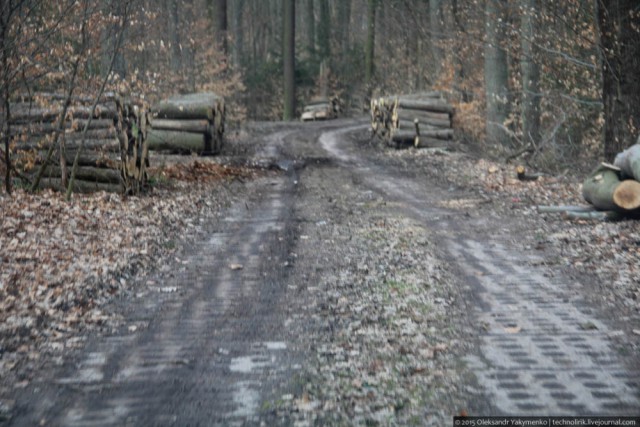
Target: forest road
{"type": "Point", "coordinates": [223, 338]}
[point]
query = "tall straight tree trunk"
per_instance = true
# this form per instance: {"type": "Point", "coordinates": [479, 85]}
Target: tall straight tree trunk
{"type": "Point", "coordinates": [324, 31]}
{"type": "Point", "coordinates": [619, 22]}
{"type": "Point", "coordinates": [310, 20]}
{"type": "Point", "coordinates": [344, 27]}
{"type": "Point", "coordinates": [530, 71]}
{"type": "Point", "coordinates": [496, 72]}
{"type": "Point", "coordinates": [220, 24]}
{"type": "Point", "coordinates": [238, 31]}
{"type": "Point", "coordinates": [435, 24]}
{"type": "Point", "coordinates": [116, 8]}
{"type": "Point", "coordinates": [174, 35]}
{"type": "Point", "coordinates": [6, 92]}
{"type": "Point", "coordinates": [371, 41]}
{"type": "Point", "coordinates": [288, 55]}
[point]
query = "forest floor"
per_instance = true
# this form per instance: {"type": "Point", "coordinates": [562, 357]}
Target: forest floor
{"type": "Point", "coordinates": [316, 278]}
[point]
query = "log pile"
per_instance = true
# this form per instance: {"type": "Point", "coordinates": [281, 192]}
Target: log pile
{"type": "Point", "coordinates": [114, 154]}
{"type": "Point", "coordinates": [192, 123]}
{"type": "Point", "coordinates": [320, 109]}
{"type": "Point", "coordinates": [616, 187]}
{"type": "Point", "coordinates": [422, 120]}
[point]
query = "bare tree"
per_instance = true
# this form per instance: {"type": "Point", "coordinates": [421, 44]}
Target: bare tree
{"type": "Point", "coordinates": [619, 22]}
{"type": "Point", "coordinates": [289, 58]}
{"type": "Point", "coordinates": [496, 71]}
{"type": "Point", "coordinates": [530, 71]}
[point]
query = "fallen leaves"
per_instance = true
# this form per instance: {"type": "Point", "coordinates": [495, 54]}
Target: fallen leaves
{"type": "Point", "coordinates": [60, 262]}
{"type": "Point", "coordinates": [203, 171]}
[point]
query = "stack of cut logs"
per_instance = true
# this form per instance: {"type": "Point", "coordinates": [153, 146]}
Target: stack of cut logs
{"type": "Point", "coordinates": [191, 123]}
{"type": "Point", "coordinates": [616, 187]}
{"type": "Point", "coordinates": [422, 120]}
{"type": "Point", "coordinates": [113, 157]}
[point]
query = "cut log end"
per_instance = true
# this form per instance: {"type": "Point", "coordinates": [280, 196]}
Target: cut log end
{"type": "Point", "coordinates": [627, 195]}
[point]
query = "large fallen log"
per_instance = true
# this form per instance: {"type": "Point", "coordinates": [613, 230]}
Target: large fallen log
{"type": "Point", "coordinates": [181, 142]}
{"type": "Point", "coordinates": [197, 126]}
{"type": "Point", "coordinates": [425, 105]}
{"type": "Point", "coordinates": [418, 129]}
{"type": "Point", "coordinates": [110, 145]}
{"type": "Point", "coordinates": [21, 113]}
{"type": "Point", "coordinates": [196, 106]}
{"type": "Point", "coordinates": [606, 192]}
{"type": "Point", "coordinates": [412, 115]}
{"type": "Point", "coordinates": [420, 114]}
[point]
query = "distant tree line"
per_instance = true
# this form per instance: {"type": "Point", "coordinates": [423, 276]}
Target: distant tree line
{"type": "Point", "coordinates": [554, 79]}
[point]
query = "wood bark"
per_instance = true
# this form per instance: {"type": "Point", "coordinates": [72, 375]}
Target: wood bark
{"type": "Point", "coordinates": [370, 41]}
{"type": "Point", "coordinates": [109, 145]}
{"type": "Point", "coordinates": [619, 23]}
{"type": "Point", "coordinates": [407, 114]}
{"type": "Point", "coordinates": [323, 32]}
{"type": "Point", "coordinates": [496, 71]}
{"type": "Point", "coordinates": [310, 21]}
{"type": "Point", "coordinates": [22, 114]}
{"type": "Point", "coordinates": [599, 187]}
{"type": "Point", "coordinates": [221, 24]}
{"type": "Point", "coordinates": [289, 59]}
{"type": "Point", "coordinates": [530, 71]}
{"type": "Point", "coordinates": [115, 154]}
{"type": "Point", "coordinates": [183, 110]}
{"type": "Point", "coordinates": [179, 141]}
{"type": "Point", "coordinates": [425, 105]}
{"type": "Point", "coordinates": [606, 192]}
{"type": "Point", "coordinates": [439, 123]}
{"type": "Point", "coordinates": [196, 126]}
{"type": "Point", "coordinates": [435, 28]}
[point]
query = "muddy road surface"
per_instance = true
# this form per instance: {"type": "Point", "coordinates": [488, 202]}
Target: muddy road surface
{"type": "Point", "coordinates": [338, 290]}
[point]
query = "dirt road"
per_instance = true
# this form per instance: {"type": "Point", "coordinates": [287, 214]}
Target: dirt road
{"type": "Point", "coordinates": [340, 291]}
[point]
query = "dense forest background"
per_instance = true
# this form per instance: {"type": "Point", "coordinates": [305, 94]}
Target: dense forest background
{"type": "Point", "coordinates": [555, 79]}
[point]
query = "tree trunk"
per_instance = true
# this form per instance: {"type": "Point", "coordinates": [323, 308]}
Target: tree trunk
{"type": "Point", "coordinates": [604, 190]}
{"type": "Point", "coordinates": [426, 105]}
{"type": "Point", "coordinates": [496, 72]}
{"type": "Point", "coordinates": [599, 187]}
{"type": "Point", "coordinates": [369, 67]}
{"type": "Point", "coordinates": [324, 31]}
{"type": "Point", "coordinates": [310, 20]}
{"type": "Point", "coordinates": [289, 59]}
{"type": "Point", "coordinates": [178, 110]}
{"type": "Point", "coordinates": [238, 31]}
{"type": "Point", "coordinates": [166, 140]}
{"type": "Point", "coordinates": [174, 35]}
{"type": "Point", "coordinates": [220, 25]}
{"type": "Point", "coordinates": [530, 71]}
{"type": "Point", "coordinates": [344, 25]}
{"type": "Point", "coordinates": [5, 19]}
{"type": "Point", "coordinates": [619, 22]}
{"type": "Point", "coordinates": [196, 126]}
{"type": "Point", "coordinates": [119, 67]}
{"type": "Point", "coordinates": [435, 24]}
